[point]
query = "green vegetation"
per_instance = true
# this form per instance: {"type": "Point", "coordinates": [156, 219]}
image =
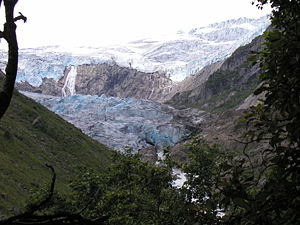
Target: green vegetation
{"type": "Point", "coordinates": [133, 192]}
{"type": "Point", "coordinates": [222, 80]}
{"type": "Point", "coordinates": [234, 99]}
{"type": "Point", "coordinates": [30, 137]}
{"type": "Point", "coordinates": [130, 191]}
{"type": "Point", "coordinates": [253, 188]}
{"type": "Point", "coordinates": [229, 88]}
{"type": "Point", "coordinates": [228, 100]}
{"type": "Point", "coordinates": [257, 187]}
{"type": "Point", "coordinates": [272, 195]}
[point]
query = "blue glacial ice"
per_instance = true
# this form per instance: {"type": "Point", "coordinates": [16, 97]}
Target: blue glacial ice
{"type": "Point", "coordinates": [118, 122]}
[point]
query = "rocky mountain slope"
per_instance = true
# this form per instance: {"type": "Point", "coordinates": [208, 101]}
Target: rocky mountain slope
{"type": "Point", "coordinates": [223, 88]}
{"type": "Point", "coordinates": [126, 116]}
{"type": "Point", "coordinates": [191, 82]}
{"type": "Point", "coordinates": [106, 78]}
{"type": "Point", "coordinates": [223, 85]}
{"type": "Point", "coordinates": [30, 137]}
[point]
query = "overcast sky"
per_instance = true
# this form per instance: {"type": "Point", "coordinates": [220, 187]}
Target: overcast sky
{"type": "Point", "coordinates": [102, 22]}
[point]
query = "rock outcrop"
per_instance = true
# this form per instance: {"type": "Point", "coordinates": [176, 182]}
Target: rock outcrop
{"type": "Point", "coordinates": [193, 82]}
{"type": "Point", "coordinates": [107, 78]}
{"type": "Point", "coordinates": [123, 82]}
{"type": "Point", "coordinates": [226, 85]}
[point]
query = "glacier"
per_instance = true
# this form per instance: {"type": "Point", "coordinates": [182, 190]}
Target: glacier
{"type": "Point", "coordinates": [46, 62]}
{"type": "Point", "coordinates": [178, 55]}
{"type": "Point", "coordinates": [118, 122]}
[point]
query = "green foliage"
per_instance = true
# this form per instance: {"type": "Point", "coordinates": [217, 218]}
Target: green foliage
{"type": "Point", "coordinates": [221, 80]}
{"type": "Point", "coordinates": [272, 195]}
{"type": "Point", "coordinates": [134, 192]}
{"type": "Point", "coordinates": [130, 191]}
{"type": "Point", "coordinates": [234, 98]}
{"type": "Point", "coordinates": [30, 137]}
{"type": "Point", "coordinates": [201, 169]}
{"type": "Point", "coordinates": [56, 204]}
{"type": "Point", "coordinates": [226, 89]}
{"type": "Point", "coordinates": [200, 189]}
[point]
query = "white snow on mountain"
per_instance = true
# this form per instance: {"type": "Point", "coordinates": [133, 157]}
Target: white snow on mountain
{"type": "Point", "coordinates": [136, 123]}
{"type": "Point", "coordinates": [118, 122]}
{"type": "Point", "coordinates": [179, 55]}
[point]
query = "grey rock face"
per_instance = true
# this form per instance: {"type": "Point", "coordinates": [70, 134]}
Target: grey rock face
{"type": "Point", "coordinates": [192, 82]}
{"type": "Point", "coordinates": [123, 82]}
{"type": "Point", "coordinates": [109, 79]}
{"type": "Point", "coordinates": [149, 154]}
{"type": "Point", "coordinates": [227, 81]}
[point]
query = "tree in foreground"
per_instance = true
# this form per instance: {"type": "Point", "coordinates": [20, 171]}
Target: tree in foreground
{"type": "Point", "coordinates": [9, 35]}
{"type": "Point", "coordinates": [133, 192]}
{"type": "Point", "coordinates": [130, 191]}
{"type": "Point", "coordinates": [270, 194]}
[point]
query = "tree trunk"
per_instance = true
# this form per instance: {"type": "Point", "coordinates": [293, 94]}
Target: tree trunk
{"type": "Point", "coordinates": [9, 34]}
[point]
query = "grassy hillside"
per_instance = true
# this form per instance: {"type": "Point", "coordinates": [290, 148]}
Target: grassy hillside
{"type": "Point", "coordinates": [30, 137]}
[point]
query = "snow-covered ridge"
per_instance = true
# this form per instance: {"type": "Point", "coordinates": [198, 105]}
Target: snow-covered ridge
{"type": "Point", "coordinates": [179, 55]}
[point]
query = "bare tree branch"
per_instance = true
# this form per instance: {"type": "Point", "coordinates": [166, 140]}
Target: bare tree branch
{"type": "Point", "coordinates": [30, 217]}
{"type": "Point", "coordinates": [21, 17]}
{"type": "Point", "coordinates": [34, 208]}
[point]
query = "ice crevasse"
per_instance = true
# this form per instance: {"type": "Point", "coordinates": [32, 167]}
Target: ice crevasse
{"type": "Point", "coordinates": [118, 122]}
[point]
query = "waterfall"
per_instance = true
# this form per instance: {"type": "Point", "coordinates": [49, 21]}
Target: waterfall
{"type": "Point", "coordinates": [153, 82]}
{"type": "Point", "coordinates": [69, 85]}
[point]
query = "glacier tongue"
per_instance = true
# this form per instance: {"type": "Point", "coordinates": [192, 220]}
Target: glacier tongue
{"type": "Point", "coordinates": [118, 122]}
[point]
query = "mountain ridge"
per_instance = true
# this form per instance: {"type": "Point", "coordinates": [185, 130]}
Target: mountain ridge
{"type": "Point", "coordinates": [232, 81]}
{"type": "Point", "coordinates": [177, 56]}
{"type": "Point", "coordinates": [217, 87]}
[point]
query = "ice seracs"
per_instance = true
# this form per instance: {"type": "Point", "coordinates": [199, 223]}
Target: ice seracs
{"type": "Point", "coordinates": [179, 55]}
{"type": "Point", "coordinates": [118, 122]}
